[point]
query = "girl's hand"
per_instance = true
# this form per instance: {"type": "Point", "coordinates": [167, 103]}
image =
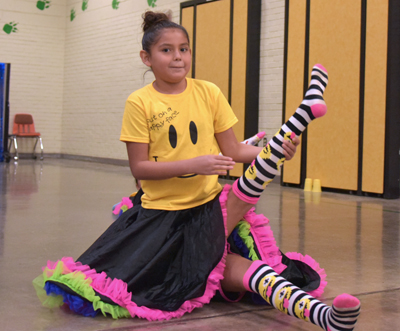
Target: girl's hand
{"type": "Point", "coordinates": [289, 149]}
{"type": "Point", "coordinates": [212, 165]}
{"type": "Point", "coordinates": [143, 169]}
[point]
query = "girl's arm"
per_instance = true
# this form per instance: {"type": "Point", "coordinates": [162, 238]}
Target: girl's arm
{"type": "Point", "coordinates": [246, 153]}
{"type": "Point", "coordinates": [142, 168]}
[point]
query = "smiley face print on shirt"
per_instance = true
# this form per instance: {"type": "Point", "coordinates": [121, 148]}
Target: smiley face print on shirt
{"type": "Point", "coordinates": [180, 134]}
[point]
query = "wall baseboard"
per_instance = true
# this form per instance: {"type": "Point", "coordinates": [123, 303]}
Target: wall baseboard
{"type": "Point", "coordinates": [124, 163]}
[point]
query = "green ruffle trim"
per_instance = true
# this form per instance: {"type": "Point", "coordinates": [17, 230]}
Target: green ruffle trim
{"type": "Point", "coordinates": [75, 281]}
{"type": "Point", "coordinates": [243, 229]}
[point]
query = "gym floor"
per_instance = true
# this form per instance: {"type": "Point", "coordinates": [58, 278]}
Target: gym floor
{"type": "Point", "coordinates": [58, 207]}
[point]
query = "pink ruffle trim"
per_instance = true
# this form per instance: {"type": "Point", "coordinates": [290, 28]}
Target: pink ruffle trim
{"type": "Point", "coordinates": [265, 241]}
{"type": "Point", "coordinates": [125, 204]}
{"type": "Point", "coordinates": [262, 235]}
{"type": "Point", "coordinates": [117, 290]}
{"type": "Point", "coordinates": [269, 251]}
{"type": "Point", "coordinates": [315, 265]}
{"type": "Point", "coordinates": [223, 198]}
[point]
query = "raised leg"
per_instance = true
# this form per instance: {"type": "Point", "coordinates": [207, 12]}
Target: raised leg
{"type": "Point", "coordinates": [247, 189]}
{"type": "Point", "coordinates": [266, 166]}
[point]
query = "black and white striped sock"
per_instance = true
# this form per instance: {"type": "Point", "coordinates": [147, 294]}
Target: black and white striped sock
{"type": "Point", "coordinates": [266, 166]}
{"type": "Point", "coordinates": [284, 296]}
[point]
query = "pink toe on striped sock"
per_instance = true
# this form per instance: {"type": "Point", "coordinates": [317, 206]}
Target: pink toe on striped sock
{"type": "Point", "coordinates": [261, 134]}
{"type": "Point", "coordinates": [321, 67]}
{"type": "Point", "coordinates": [318, 110]}
{"type": "Point", "coordinates": [346, 301]}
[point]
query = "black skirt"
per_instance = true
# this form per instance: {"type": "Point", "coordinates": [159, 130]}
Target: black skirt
{"type": "Point", "coordinates": [165, 257]}
{"type": "Point", "coordinates": [155, 264]}
{"type": "Point", "coordinates": [158, 264]}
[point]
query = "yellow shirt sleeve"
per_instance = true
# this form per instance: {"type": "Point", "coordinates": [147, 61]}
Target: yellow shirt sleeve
{"type": "Point", "coordinates": [134, 122]}
{"type": "Point", "coordinates": [224, 115]}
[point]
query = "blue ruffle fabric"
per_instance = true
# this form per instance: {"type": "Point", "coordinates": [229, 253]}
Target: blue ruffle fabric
{"type": "Point", "coordinates": [75, 303]}
{"type": "Point", "coordinates": [240, 245]}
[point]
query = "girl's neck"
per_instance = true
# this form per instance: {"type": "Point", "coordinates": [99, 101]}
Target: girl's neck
{"type": "Point", "coordinates": [170, 88]}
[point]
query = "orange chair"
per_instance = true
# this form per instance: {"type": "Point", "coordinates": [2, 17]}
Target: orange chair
{"type": "Point", "coordinates": [24, 127]}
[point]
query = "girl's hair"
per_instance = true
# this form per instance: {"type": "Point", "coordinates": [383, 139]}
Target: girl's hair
{"type": "Point", "coordinates": [153, 24]}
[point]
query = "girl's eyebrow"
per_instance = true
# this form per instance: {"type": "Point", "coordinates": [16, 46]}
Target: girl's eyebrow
{"type": "Point", "coordinates": [169, 45]}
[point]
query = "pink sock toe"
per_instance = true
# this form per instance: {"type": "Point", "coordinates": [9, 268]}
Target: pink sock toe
{"type": "Point", "coordinates": [261, 134]}
{"type": "Point", "coordinates": [346, 301]}
{"type": "Point", "coordinates": [321, 67]}
{"type": "Point", "coordinates": [318, 110]}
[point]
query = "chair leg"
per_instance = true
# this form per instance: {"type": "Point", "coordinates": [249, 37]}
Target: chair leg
{"type": "Point", "coordinates": [16, 157]}
{"type": "Point", "coordinates": [34, 148]}
{"type": "Point", "coordinates": [41, 148]}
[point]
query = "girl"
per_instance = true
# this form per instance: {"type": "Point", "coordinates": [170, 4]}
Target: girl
{"type": "Point", "coordinates": [168, 255]}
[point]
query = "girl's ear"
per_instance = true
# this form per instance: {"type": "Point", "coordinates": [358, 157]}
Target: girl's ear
{"type": "Point", "coordinates": [145, 58]}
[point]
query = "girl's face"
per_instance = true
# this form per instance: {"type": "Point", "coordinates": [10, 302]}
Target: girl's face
{"type": "Point", "coordinates": [170, 58]}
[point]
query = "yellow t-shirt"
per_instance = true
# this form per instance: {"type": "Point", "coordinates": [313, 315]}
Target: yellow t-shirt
{"type": "Point", "coordinates": [177, 127]}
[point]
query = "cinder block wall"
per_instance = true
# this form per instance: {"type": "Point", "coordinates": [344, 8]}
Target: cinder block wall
{"type": "Point", "coordinates": [271, 64]}
{"type": "Point", "coordinates": [102, 67]}
{"type": "Point", "coordinates": [75, 63]}
{"type": "Point", "coordinates": [32, 39]}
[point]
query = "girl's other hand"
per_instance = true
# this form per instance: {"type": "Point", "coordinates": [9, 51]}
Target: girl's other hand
{"type": "Point", "coordinates": [213, 165]}
{"type": "Point", "coordinates": [289, 149]}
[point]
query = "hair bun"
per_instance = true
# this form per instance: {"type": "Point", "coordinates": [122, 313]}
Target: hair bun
{"type": "Point", "coordinates": [154, 24]}
{"type": "Point", "coordinates": [151, 19]}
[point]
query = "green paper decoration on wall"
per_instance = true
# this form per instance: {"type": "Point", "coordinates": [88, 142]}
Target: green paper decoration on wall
{"type": "Point", "coordinates": [10, 27]}
{"type": "Point", "coordinates": [84, 4]}
{"type": "Point", "coordinates": [115, 4]}
{"type": "Point", "coordinates": [152, 3]}
{"type": "Point", "coordinates": [72, 15]}
{"type": "Point", "coordinates": [43, 4]}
